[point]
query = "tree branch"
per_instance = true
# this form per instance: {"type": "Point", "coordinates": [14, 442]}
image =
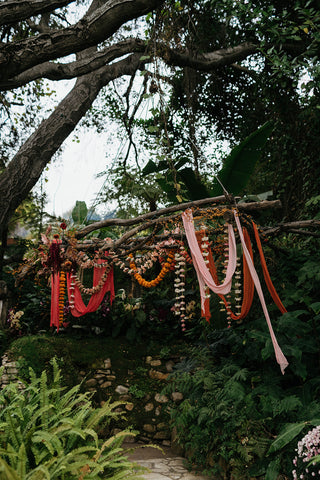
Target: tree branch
{"type": "Point", "coordinates": [91, 30]}
{"type": "Point", "coordinates": [207, 61]}
{"type": "Point", "coordinates": [13, 11]}
{"type": "Point", "coordinates": [60, 71]}
{"type": "Point", "coordinates": [174, 208]}
{"type": "Point", "coordinates": [27, 165]}
{"type": "Point", "coordinates": [292, 226]}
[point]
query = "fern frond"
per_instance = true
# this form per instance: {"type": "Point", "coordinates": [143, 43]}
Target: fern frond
{"type": "Point", "coordinates": [44, 398]}
{"type": "Point", "coordinates": [39, 473]}
{"type": "Point", "coordinates": [6, 472]}
{"type": "Point", "coordinates": [12, 432]}
{"type": "Point", "coordinates": [22, 461]}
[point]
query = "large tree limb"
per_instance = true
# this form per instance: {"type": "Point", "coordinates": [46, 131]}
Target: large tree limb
{"type": "Point", "coordinates": [207, 61]}
{"type": "Point", "coordinates": [60, 71]}
{"type": "Point", "coordinates": [13, 11]}
{"type": "Point", "coordinates": [150, 216]}
{"type": "Point", "coordinates": [292, 226]}
{"type": "Point", "coordinates": [25, 168]}
{"type": "Point", "coordinates": [91, 30]}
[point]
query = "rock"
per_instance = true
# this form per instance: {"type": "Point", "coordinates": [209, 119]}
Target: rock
{"type": "Point", "coordinates": [105, 384]}
{"type": "Point", "coordinates": [148, 359]}
{"type": "Point", "coordinates": [129, 406]}
{"type": "Point", "coordinates": [163, 435]}
{"type": "Point", "coordinates": [119, 410]}
{"type": "Point", "coordinates": [148, 407]}
{"type": "Point", "coordinates": [169, 366]}
{"type": "Point", "coordinates": [155, 363]}
{"type": "Point", "coordinates": [103, 372]}
{"type": "Point", "coordinates": [166, 443]}
{"type": "Point", "coordinates": [177, 396]}
{"type": "Point", "coordinates": [161, 398]}
{"type": "Point", "coordinates": [92, 382]}
{"type": "Point", "coordinates": [99, 376]}
{"type": "Point", "coordinates": [149, 428]}
{"type": "Point", "coordinates": [82, 373]}
{"type": "Point", "coordinates": [158, 375]}
{"type": "Point", "coordinates": [126, 398]}
{"type": "Point", "coordinates": [157, 411]}
{"type": "Point", "coordinates": [122, 390]}
{"type": "Point", "coordinates": [176, 448]}
{"type": "Point", "coordinates": [129, 439]}
{"type": "Point", "coordinates": [130, 372]}
{"type": "Point", "coordinates": [162, 426]}
{"type": "Point", "coordinates": [111, 377]}
{"type": "Point", "coordinates": [107, 363]}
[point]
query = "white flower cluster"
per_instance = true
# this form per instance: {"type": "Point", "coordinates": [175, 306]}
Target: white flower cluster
{"type": "Point", "coordinates": [308, 449]}
{"type": "Point", "coordinates": [205, 254]}
{"type": "Point", "coordinates": [179, 287]}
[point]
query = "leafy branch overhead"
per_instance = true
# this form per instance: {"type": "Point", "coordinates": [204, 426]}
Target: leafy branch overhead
{"type": "Point", "coordinates": [235, 173]}
{"type": "Point", "coordinates": [99, 43]}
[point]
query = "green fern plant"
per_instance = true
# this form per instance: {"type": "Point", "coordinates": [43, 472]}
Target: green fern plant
{"type": "Point", "coordinates": [49, 433]}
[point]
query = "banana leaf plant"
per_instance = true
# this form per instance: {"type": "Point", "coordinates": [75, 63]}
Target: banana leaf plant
{"type": "Point", "coordinates": [234, 174]}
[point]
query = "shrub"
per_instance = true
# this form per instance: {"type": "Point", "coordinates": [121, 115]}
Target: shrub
{"type": "Point", "coordinates": [47, 432]}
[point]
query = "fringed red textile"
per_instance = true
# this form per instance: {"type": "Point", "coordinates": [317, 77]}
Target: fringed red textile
{"type": "Point", "coordinates": [55, 262]}
{"type": "Point", "coordinates": [55, 283]}
{"type": "Point", "coordinates": [96, 298]}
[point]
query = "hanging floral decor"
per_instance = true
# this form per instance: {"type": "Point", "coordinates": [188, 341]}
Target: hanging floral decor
{"type": "Point", "coordinates": [205, 277]}
{"type": "Point", "coordinates": [216, 262]}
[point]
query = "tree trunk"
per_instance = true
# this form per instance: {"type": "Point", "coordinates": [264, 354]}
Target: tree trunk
{"type": "Point", "coordinates": [25, 168]}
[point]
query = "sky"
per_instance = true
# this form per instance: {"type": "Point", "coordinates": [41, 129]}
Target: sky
{"type": "Point", "coordinates": [72, 176]}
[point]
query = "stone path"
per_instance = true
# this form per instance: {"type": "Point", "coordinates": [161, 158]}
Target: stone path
{"type": "Point", "coordinates": [163, 465]}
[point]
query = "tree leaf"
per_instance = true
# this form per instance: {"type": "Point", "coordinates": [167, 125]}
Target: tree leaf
{"type": "Point", "coordinates": [195, 187]}
{"type": "Point", "coordinates": [288, 434]}
{"type": "Point", "coordinates": [239, 165]}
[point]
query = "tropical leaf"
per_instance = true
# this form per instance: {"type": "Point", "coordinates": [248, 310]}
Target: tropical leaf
{"type": "Point", "coordinates": [168, 188]}
{"type": "Point", "coordinates": [272, 470]}
{"type": "Point", "coordinates": [163, 165]}
{"type": "Point", "coordinates": [288, 434]}
{"type": "Point", "coordinates": [195, 187]}
{"type": "Point", "coordinates": [239, 165]}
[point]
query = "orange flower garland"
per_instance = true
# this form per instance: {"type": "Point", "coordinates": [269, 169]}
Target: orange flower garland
{"type": "Point", "coordinates": [62, 289]}
{"type": "Point", "coordinates": [152, 283]}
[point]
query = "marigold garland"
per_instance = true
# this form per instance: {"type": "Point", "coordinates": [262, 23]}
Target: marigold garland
{"type": "Point", "coordinates": [152, 283]}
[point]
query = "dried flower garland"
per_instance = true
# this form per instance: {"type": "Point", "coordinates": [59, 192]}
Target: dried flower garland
{"type": "Point", "coordinates": [98, 287]}
{"type": "Point", "coordinates": [179, 287]}
{"type": "Point", "coordinates": [62, 290]}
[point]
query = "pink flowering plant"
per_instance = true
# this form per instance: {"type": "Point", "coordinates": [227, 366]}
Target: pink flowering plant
{"type": "Point", "coordinates": [307, 459]}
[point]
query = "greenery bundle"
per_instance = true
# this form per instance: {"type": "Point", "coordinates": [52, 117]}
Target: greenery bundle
{"type": "Point", "coordinates": [49, 433]}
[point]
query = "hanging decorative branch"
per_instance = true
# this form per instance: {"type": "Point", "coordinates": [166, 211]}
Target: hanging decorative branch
{"type": "Point", "coordinates": [125, 222]}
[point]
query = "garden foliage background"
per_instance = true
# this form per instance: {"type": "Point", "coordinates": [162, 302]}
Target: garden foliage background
{"type": "Point", "coordinates": [211, 74]}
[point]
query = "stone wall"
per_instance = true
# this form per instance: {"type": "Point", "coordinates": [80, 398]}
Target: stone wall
{"type": "Point", "coordinates": [146, 409]}
{"type": "Point", "coordinates": [148, 412]}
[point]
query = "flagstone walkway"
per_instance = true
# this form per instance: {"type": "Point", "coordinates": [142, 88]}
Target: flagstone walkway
{"type": "Point", "coordinates": [163, 465]}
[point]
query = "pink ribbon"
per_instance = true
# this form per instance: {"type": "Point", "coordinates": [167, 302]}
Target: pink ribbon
{"type": "Point", "coordinates": [281, 359]}
{"type": "Point", "coordinates": [203, 274]}
{"type": "Point", "coordinates": [205, 277]}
